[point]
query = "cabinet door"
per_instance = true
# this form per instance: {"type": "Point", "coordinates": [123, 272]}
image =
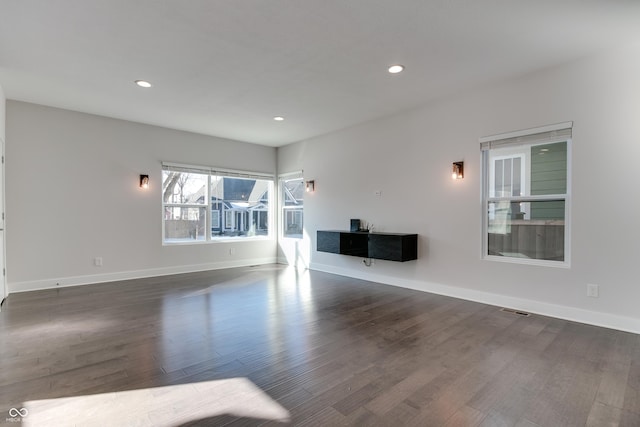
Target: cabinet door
{"type": "Point", "coordinates": [354, 244]}
{"type": "Point", "coordinates": [402, 247]}
{"type": "Point", "coordinates": [385, 247]}
{"type": "Point", "coordinates": [328, 241]}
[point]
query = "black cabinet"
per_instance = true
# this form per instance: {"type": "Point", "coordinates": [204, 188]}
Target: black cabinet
{"type": "Point", "coordinates": [345, 243]}
{"type": "Point", "coordinates": [393, 247]}
{"type": "Point", "coordinates": [388, 246]}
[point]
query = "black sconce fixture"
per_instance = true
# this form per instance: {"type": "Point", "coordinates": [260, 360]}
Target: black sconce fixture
{"type": "Point", "coordinates": [144, 181]}
{"type": "Point", "coordinates": [310, 186]}
{"type": "Point", "coordinates": [458, 170]}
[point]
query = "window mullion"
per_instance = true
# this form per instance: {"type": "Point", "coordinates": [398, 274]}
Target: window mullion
{"type": "Point", "coordinates": [208, 220]}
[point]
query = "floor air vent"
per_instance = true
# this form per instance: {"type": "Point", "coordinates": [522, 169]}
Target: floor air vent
{"type": "Point", "coordinates": [512, 311]}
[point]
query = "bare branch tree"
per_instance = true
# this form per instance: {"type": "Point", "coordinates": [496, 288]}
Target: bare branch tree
{"type": "Point", "coordinates": [182, 180]}
{"type": "Point", "coordinates": [169, 185]}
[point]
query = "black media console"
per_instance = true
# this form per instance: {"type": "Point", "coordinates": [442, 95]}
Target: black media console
{"type": "Point", "coordinates": [388, 246]}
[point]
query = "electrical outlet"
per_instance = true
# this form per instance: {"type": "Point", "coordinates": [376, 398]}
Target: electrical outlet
{"type": "Point", "coordinates": [593, 290]}
{"type": "Point", "coordinates": [97, 261]}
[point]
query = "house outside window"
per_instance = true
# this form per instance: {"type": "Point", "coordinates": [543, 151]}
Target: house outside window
{"type": "Point", "coordinates": [292, 202]}
{"type": "Point", "coordinates": [202, 204]}
{"type": "Point", "coordinates": [244, 204]}
{"type": "Point", "coordinates": [526, 196]}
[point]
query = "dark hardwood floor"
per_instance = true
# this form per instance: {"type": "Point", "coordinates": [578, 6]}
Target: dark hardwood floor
{"type": "Point", "coordinates": [271, 346]}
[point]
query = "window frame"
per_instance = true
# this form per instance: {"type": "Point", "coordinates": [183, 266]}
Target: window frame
{"type": "Point", "coordinates": [207, 205]}
{"type": "Point", "coordinates": [561, 132]}
{"type": "Point", "coordinates": [282, 209]}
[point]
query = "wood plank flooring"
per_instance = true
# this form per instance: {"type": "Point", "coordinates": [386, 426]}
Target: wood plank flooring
{"type": "Point", "coordinates": [271, 346]}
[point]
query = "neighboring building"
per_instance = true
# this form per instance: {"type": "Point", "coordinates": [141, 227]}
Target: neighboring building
{"type": "Point", "coordinates": [239, 207]}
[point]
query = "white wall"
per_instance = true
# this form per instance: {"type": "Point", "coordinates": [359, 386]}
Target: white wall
{"type": "Point", "coordinates": [73, 194]}
{"type": "Point", "coordinates": [3, 288]}
{"type": "Point", "coordinates": [2, 113]}
{"type": "Point", "coordinates": [408, 157]}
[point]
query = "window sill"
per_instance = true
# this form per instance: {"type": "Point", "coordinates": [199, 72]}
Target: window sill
{"type": "Point", "coordinates": [219, 240]}
{"type": "Point", "coordinates": [527, 261]}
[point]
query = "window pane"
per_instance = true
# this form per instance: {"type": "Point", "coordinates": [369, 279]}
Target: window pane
{"type": "Point", "coordinates": [239, 207]}
{"type": "Point", "coordinates": [293, 223]}
{"type": "Point", "coordinates": [182, 187]}
{"type": "Point", "coordinates": [184, 224]}
{"type": "Point", "coordinates": [293, 202]}
{"type": "Point", "coordinates": [549, 168]}
{"type": "Point", "coordinates": [532, 230]}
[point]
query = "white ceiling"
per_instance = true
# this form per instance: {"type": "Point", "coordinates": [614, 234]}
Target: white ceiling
{"type": "Point", "coordinates": [227, 67]}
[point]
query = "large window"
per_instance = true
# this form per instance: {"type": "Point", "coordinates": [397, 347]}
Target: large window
{"type": "Point", "coordinates": [526, 195]}
{"type": "Point", "coordinates": [292, 193]}
{"type": "Point", "coordinates": [201, 204]}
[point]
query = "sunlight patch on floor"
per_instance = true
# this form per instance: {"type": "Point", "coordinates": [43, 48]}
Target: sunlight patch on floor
{"type": "Point", "coordinates": [160, 406]}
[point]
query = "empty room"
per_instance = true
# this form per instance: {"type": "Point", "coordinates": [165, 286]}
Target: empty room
{"type": "Point", "coordinates": [319, 213]}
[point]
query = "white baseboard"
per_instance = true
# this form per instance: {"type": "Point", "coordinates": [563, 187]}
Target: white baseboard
{"type": "Point", "coordinates": [607, 320]}
{"type": "Point", "coordinates": [283, 260]}
{"type": "Point", "coordinates": [62, 282]}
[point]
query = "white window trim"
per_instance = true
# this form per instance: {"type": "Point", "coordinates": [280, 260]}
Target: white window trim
{"type": "Point", "coordinates": [527, 132]}
{"type": "Point", "coordinates": [485, 199]}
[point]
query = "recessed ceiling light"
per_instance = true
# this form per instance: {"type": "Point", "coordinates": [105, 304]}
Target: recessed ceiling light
{"type": "Point", "coordinates": [278, 118]}
{"type": "Point", "coordinates": [143, 83]}
{"type": "Point", "coordinates": [395, 69]}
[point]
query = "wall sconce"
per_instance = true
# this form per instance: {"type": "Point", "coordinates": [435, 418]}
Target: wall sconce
{"type": "Point", "coordinates": [458, 170]}
{"type": "Point", "coordinates": [144, 181]}
{"type": "Point", "coordinates": [310, 186]}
